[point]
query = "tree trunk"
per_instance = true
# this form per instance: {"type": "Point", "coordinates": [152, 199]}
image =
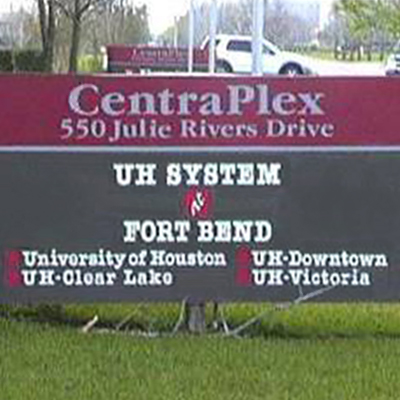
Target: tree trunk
{"type": "Point", "coordinates": [51, 33]}
{"type": "Point", "coordinates": [75, 38]}
{"type": "Point", "coordinates": [43, 22]}
{"type": "Point", "coordinates": [74, 51]}
{"type": "Point", "coordinates": [47, 32]}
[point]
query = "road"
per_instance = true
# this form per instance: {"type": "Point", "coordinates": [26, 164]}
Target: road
{"type": "Point", "coordinates": [340, 68]}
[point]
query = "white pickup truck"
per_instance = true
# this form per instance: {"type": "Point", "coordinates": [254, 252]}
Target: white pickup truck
{"type": "Point", "coordinates": [234, 54]}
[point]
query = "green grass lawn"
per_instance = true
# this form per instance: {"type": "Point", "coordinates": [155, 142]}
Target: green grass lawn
{"type": "Point", "coordinates": [314, 351]}
{"type": "Point", "coordinates": [42, 362]}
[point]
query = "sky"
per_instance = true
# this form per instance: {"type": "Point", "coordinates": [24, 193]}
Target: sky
{"type": "Point", "coordinates": [162, 12]}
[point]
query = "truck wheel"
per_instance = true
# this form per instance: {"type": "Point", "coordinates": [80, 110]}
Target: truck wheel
{"type": "Point", "coordinates": [223, 66]}
{"type": "Point", "coordinates": [291, 70]}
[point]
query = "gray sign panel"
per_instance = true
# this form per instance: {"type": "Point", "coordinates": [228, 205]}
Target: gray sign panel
{"type": "Point", "coordinates": [112, 226]}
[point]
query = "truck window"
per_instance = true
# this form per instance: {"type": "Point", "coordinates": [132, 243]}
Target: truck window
{"type": "Point", "coordinates": [239, 45]}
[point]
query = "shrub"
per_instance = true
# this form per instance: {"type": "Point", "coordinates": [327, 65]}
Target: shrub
{"type": "Point", "coordinates": [90, 64]}
{"type": "Point", "coordinates": [6, 61]}
{"type": "Point", "coordinates": [29, 60]}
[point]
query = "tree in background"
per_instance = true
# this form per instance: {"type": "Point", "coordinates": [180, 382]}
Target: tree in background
{"type": "Point", "coordinates": [369, 24]}
{"type": "Point", "coordinates": [66, 27]}
{"type": "Point", "coordinates": [47, 19]}
{"type": "Point", "coordinates": [285, 28]}
{"type": "Point", "coordinates": [390, 12]}
{"type": "Point", "coordinates": [117, 21]}
{"type": "Point", "coordinates": [179, 31]}
{"type": "Point", "coordinates": [281, 25]}
{"type": "Point", "coordinates": [76, 11]}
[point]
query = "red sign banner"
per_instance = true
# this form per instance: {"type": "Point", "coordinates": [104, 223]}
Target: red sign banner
{"type": "Point", "coordinates": [71, 110]}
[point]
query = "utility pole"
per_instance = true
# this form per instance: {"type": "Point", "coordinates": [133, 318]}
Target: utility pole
{"type": "Point", "coordinates": [191, 37]}
{"type": "Point", "coordinates": [212, 35]}
{"type": "Point", "coordinates": [257, 39]}
{"type": "Point", "coordinates": [176, 32]}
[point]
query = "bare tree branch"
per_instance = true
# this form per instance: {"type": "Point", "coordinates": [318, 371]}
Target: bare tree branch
{"type": "Point", "coordinates": [63, 8]}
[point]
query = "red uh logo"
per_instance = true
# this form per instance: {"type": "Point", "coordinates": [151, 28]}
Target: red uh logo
{"type": "Point", "coordinates": [12, 260]}
{"type": "Point", "coordinates": [198, 203]}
